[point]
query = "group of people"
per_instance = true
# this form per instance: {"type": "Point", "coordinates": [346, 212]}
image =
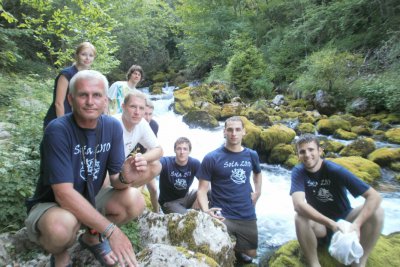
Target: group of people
{"type": "Point", "coordinates": [100, 147]}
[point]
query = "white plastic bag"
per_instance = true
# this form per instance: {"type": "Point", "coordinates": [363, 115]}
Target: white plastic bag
{"type": "Point", "coordinates": [345, 247]}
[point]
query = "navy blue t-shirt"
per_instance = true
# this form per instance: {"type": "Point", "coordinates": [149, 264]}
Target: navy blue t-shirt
{"type": "Point", "coordinates": [61, 160]}
{"type": "Point", "coordinates": [175, 180]}
{"type": "Point", "coordinates": [51, 113]}
{"type": "Point", "coordinates": [229, 173]}
{"type": "Point", "coordinates": [326, 189]}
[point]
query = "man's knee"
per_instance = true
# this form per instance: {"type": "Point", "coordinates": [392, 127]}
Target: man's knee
{"type": "Point", "coordinates": [58, 226]}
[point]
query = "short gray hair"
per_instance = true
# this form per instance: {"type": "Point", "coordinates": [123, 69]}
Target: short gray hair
{"type": "Point", "coordinates": [87, 75]}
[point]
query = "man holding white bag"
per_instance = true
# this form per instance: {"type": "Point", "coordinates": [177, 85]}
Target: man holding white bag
{"type": "Point", "coordinates": [319, 193]}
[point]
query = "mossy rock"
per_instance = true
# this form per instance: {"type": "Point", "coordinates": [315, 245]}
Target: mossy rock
{"type": "Point", "coordinates": [354, 121]}
{"type": "Point", "coordinates": [395, 166]}
{"type": "Point", "coordinates": [307, 117]}
{"type": "Point", "coordinates": [291, 161]}
{"type": "Point", "coordinates": [362, 130]}
{"type": "Point", "coordinates": [366, 170]}
{"type": "Point", "coordinates": [212, 109]}
{"type": "Point", "coordinates": [344, 135]}
{"type": "Point", "coordinates": [276, 134]}
{"type": "Point", "coordinates": [252, 137]}
{"type": "Point", "coordinates": [329, 126]}
{"type": "Point", "coordinates": [200, 118]}
{"type": "Point", "coordinates": [305, 127]}
{"type": "Point", "coordinates": [274, 118]}
{"type": "Point", "coordinates": [393, 135]}
{"type": "Point", "coordinates": [232, 109]}
{"type": "Point", "coordinates": [392, 118]}
{"type": "Point", "coordinates": [331, 146]}
{"type": "Point", "coordinates": [280, 153]}
{"type": "Point", "coordinates": [183, 102]}
{"type": "Point", "coordinates": [292, 114]}
{"type": "Point", "coordinates": [156, 88]}
{"type": "Point", "coordinates": [377, 117]}
{"type": "Point", "coordinates": [383, 254]}
{"type": "Point", "coordinates": [361, 147]}
{"type": "Point", "coordinates": [385, 156]}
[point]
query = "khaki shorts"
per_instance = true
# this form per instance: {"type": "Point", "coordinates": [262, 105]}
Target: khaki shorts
{"type": "Point", "coordinates": [245, 232]}
{"type": "Point", "coordinates": [39, 209]}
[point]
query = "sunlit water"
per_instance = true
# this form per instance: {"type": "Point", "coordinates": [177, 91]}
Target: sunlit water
{"type": "Point", "coordinates": [274, 209]}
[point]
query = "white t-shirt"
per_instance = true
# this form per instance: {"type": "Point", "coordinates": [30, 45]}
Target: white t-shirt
{"type": "Point", "coordinates": [116, 94]}
{"type": "Point", "coordinates": [141, 133]}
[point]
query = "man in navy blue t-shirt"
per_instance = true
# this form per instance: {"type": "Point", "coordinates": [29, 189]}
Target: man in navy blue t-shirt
{"type": "Point", "coordinates": [319, 193]}
{"type": "Point", "coordinates": [176, 177]}
{"type": "Point", "coordinates": [233, 201]}
{"type": "Point", "coordinates": [77, 152]}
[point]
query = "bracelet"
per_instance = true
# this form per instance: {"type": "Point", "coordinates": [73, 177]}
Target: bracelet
{"type": "Point", "coordinates": [103, 235]}
{"type": "Point", "coordinates": [121, 179]}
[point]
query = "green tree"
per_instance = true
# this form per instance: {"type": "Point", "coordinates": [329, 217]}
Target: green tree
{"type": "Point", "coordinates": [60, 28]}
{"type": "Point", "coordinates": [145, 34]}
{"type": "Point", "coordinates": [331, 71]}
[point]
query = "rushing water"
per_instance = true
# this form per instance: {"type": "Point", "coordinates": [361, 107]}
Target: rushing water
{"type": "Point", "coordinates": [274, 209]}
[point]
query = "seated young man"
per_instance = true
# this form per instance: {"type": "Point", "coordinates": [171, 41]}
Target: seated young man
{"type": "Point", "coordinates": [319, 193]}
{"type": "Point", "coordinates": [176, 177]}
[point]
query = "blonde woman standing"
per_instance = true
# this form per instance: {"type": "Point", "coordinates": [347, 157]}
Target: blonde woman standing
{"type": "Point", "coordinates": [84, 57]}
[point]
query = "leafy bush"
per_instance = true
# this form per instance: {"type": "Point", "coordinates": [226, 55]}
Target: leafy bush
{"type": "Point", "coordinates": [331, 71]}
{"type": "Point", "coordinates": [245, 67]}
{"type": "Point", "coordinates": [19, 164]}
{"type": "Point", "coordinates": [382, 90]}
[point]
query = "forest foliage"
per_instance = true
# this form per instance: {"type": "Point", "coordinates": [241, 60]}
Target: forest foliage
{"type": "Point", "coordinates": [349, 48]}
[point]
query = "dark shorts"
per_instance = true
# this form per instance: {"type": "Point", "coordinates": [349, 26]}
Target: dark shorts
{"type": "Point", "coordinates": [326, 240]}
{"type": "Point", "coordinates": [245, 232]}
{"type": "Point", "coordinates": [180, 205]}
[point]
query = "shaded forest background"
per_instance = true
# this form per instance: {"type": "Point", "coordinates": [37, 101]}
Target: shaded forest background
{"type": "Point", "coordinates": [348, 48]}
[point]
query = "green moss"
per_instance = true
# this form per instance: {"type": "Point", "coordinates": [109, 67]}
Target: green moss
{"type": "Point", "coordinates": [307, 117]}
{"type": "Point", "coordinates": [345, 135]}
{"type": "Point", "coordinates": [329, 126]}
{"type": "Point", "coordinates": [360, 147]}
{"type": "Point", "coordinates": [331, 146]}
{"type": "Point", "coordinates": [252, 137]}
{"type": "Point", "coordinates": [385, 155]}
{"type": "Point", "coordinates": [392, 118]}
{"type": "Point", "coordinates": [364, 169]}
{"type": "Point", "coordinates": [395, 166]}
{"type": "Point", "coordinates": [384, 254]}
{"type": "Point", "coordinates": [199, 256]}
{"type": "Point", "coordinates": [280, 153]}
{"type": "Point", "coordinates": [303, 128]}
{"type": "Point", "coordinates": [183, 102]}
{"type": "Point", "coordinates": [361, 130]}
{"type": "Point", "coordinates": [277, 134]}
{"type": "Point", "coordinates": [291, 161]}
{"type": "Point", "coordinates": [393, 135]}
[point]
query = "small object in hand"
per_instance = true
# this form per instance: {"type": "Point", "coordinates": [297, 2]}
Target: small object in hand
{"type": "Point", "coordinates": [133, 153]}
{"type": "Point", "coordinates": [218, 213]}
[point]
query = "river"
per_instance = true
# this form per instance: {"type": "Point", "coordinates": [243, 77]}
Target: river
{"type": "Point", "coordinates": [274, 208]}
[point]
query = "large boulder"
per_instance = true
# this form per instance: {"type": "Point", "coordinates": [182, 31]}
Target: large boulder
{"type": "Point", "coordinates": [366, 170]}
{"type": "Point", "coordinates": [252, 137]}
{"type": "Point", "coordinates": [361, 147]}
{"type": "Point", "coordinates": [280, 153]}
{"type": "Point", "coordinates": [325, 103]}
{"type": "Point", "coordinates": [393, 135]}
{"type": "Point", "coordinates": [383, 254]}
{"type": "Point", "coordinates": [200, 118]}
{"type": "Point", "coordinates": [329, 126]}
{"type": "Point", "coordinates": [183, 101]}
{"type": "Point", "coordinates": [385, 156]}
{"type": "Point", "coordinates": [156, 255]}
{"type": "Point", "coordinates": [276, 134]}
{"type": "Point", "coordinates": [195, 231]}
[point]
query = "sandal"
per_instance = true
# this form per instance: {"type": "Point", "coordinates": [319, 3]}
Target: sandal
{"type": "Point", "coordinates": [99, 250]}
{"type": "Point", "coordinates": [53, 262]}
